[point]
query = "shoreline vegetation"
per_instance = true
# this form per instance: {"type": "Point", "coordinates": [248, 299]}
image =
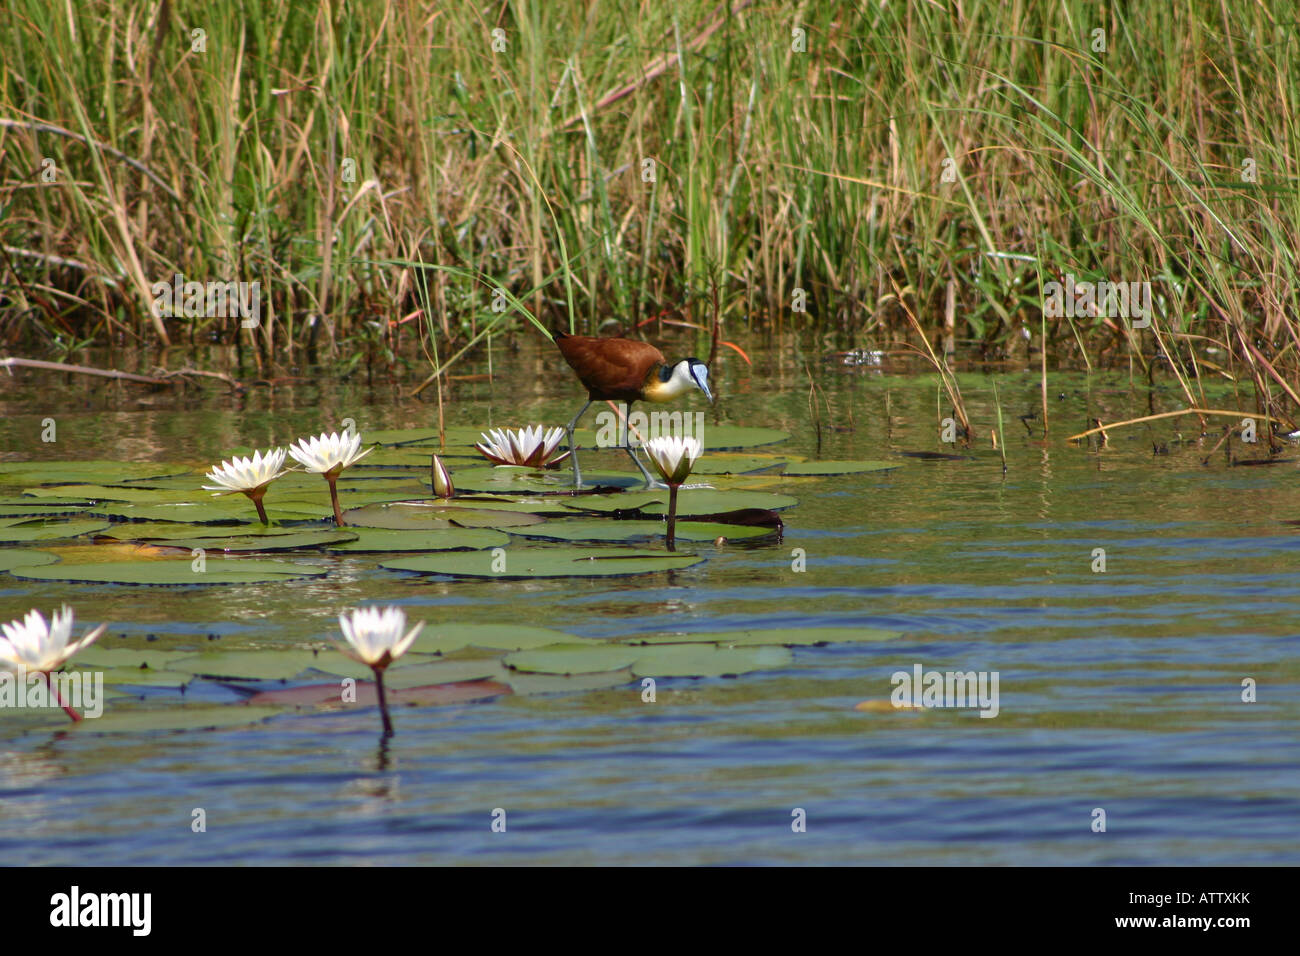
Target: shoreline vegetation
{"type": "Point", "coordinates": [397, 186]}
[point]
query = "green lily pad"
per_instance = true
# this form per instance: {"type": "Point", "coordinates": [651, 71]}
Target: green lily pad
{"type": "Point", "coordinates": [223, 510]}
{"type": "Point", "coordinates": [789, 637]}
{"type": "Point", "coordinates": [160, 531]}
{"type": "Point", "coordinates": [176, 572]}
{"type": "Point", "coordinates": [735, 464]}
{"type": "Point", "coordinates": [376, 540]}
{"type": "Point", "coordinates": [445, 638]}
{"type": "Point", "coordinates": [331, 695]}
{"type": "Point", "coordinates": [838, 467]}
{"type": "Point", "coordinates": [603, 529]}
{"type": "Point", "coordinates": [424, 516]}
{"type": "Point", "coordinates": [50, 529]}
{"type": "Point", "coordinates": [513, 479]}
{"type": "Point", "coordinates": [128, 658]}
{"type": "Point", "coordinates": [702, 660]}
{"type": "Point", "coordinates": [52, 472]}
{"type": "Point", "coordinates": [144, 719]}
{"type": "Point", "coordinates": [690, 501]}
{"type": "Point", "coordinates": [11, 558]}
{"type": "Point", "coordinates": [546, 563]}
{"type": "Point", "coordinates": [262, 542]}
{"type": "Point", "coordinates": [574, 658]}
{"type": "Point", "coordinates": [416, 673]}
{"type": "Point", "coordinates": [528, 683]}
{"type": "Point", "coordinates": [270, 664]}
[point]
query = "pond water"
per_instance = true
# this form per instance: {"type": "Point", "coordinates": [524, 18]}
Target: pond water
{"type": "Point", "coordinates": [1120, 690]}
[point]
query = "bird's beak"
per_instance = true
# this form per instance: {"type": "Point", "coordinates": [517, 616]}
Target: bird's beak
{"type": "Point", "coordinates": [702, 380]}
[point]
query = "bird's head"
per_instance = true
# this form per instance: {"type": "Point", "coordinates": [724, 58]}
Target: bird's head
{"type": "Point", "coordinates": [690, 373]}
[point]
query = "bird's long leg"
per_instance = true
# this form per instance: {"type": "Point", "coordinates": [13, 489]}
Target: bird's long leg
{"type": "Point", "coordinates": [650, 481]}
{"type": "Point", "coordinates": [573, 451]}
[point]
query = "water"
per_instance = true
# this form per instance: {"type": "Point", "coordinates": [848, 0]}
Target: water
{"type": "Point", "coordinates": [1118, 690]}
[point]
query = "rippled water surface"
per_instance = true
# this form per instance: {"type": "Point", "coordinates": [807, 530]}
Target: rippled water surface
{"type": "Point", "coordinates": [1118, 690]}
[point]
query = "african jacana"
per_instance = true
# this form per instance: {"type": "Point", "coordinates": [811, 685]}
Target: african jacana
{"type": "Point", "coordinates": [624, 370]}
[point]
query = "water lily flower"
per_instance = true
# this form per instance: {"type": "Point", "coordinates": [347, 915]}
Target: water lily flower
{"type": "Point", "coordinates": [249, 476]}
{"type": "Point", "coordinates": [32, 644]}
{"type": "Point", "coordinates": [524, 446]}
{"type": "Point", "coordinates": [674, 457]}
{"type": "Point", "coordinates": [375, 638]}
{"type": "Point", "coordinates": [328, 455]}
{"type": "Point", "coordinates": [441, 478]}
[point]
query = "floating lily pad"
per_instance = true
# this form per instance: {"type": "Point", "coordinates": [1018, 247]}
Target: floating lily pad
{"type": "Point", "coordinates": [11, 558]}
{"type": "Point", "coordinates": [513, 479]}
{"type": "Point", "coordinates": [702, 660]}
{"type": "Point", "coordinates": [174, 572]}
{"type": "Point", "coordinates": [424, 516]}
{"type": "Point", "coordinates": [442, 539]}
{"type": "Point", "coordinates": [690, 501]}
{"type": "Point", "coordinates": [47, 529]}
{"type": "Point", "coordinates": [604, 529]}
{"type": "Point", "coordinates": [52, 472]}
{"type": "Point", "coordinates": [144, 719]}
{"type": "Point", "coordinates": [222, 510]}
{"type": "Point", "coordinates": [837, 467]}
{"type": "Point", "coordinates": [159, 531]}
{"type": "Point", "coordinates": [445, 638]}
{"type": "Point", "coordinates": [128, 658]}
{"type": "Point", "coordinates": [735, 464]}
{"type": "Point", "coordinates": [414, 673]}
{"type": "Point", "coordinates": [545, 563]}
{"type": "Point", "coordinates": [269, 664]}
{"type": "Point", "coordinates": [365, 694]}
{"type": "Point", "coordinates": [789, 637]}
{"type": "Point", "coordinates": [525, 682]}
{"type": "Point", "coordinates": [263, 542]}
{"type": "Point", "coordinates": [574, 659]}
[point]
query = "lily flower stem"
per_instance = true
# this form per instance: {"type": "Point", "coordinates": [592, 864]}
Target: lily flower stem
{"type": "Point", "coordinates": [383, 701]}
{"type": "Point", "coordinates": [54, 690]}
{"type": "Point", "coordinates": [334, 497]}
{"type": "Point", "coordinates": [672, 517]}
{"type": "Point", "coordinates": [261, 511]}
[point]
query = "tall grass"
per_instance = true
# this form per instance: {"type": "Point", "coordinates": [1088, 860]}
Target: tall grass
{"type": "Point", "coordinates": [370, 163]}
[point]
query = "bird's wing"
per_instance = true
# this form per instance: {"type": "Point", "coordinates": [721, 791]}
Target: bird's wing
{"type": "Point", "coordinates": [610, 364]}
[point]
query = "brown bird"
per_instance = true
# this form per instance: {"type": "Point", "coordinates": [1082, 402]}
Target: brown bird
{"type": "Point", "coordinates": [624, 370]}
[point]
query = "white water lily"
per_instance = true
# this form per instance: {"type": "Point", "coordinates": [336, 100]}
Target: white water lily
{"type": "Point", "coordinates": [374, 637]}
{"type": "Point", "coordinates": [34, 645]}
{"type": "Point", "coordinates": [531, 447]}
{"type": "Point", "coordinates": [328, 454]}
{"type": "Point", "coordinates": [673, 456]}
{"type": "Point", "coordinates": [247, 474]}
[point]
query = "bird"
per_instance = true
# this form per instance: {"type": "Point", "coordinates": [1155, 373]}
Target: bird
{"type": "Point", "coordinates": [627, 371]}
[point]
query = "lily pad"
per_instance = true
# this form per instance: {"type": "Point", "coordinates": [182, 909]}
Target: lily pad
{"type": "Point", "coordinates": [263, 542]}
{"type": "Point", "coordinates": [445, 638]}
{"type": "Point", "coordinates": [838, 467]}
{"type": "Point", "coordinates": [526, 682]}
{"type": "Point", "coordinates": [702, 660]}
{"type": "Point", "coordinates": [789, 637]}
{"type": "Point", "coordinates": [735, 464]}
{"type": "Point", "coordinates": [43, 529]}
{"type": "Point", "coordinates": [513, 479]}
{"type": "Point", "coordinates": [414, 673]}
{"type": "Point", "coordinates": [269, 664]}
{"type": "Point", "coordinates": [574, 658]}
{"type": "Point", "coordinates": [690, 501]}
{"type": "Point", "coordinates": [175, 572]}
{"type": "Point", "coordinates": [11, 558]}
{"type": "Point", "coordinates": [160, 531]}
{"type": "Point", "coordinates": [53, 472]}
{"type": "Point", "coordinates": [223, 510]}
{"type": "Point", "coordinates": [424, 516]}
{"type": "Point", "coordinates": [546, 563]}
{"type": "Point", "coordinates": [443, 539]}
{"type": "Point", "coordinates": [604, 529]}
{"type": "Point", "coordinates": [128, 658]}
{"type": "Point", "coordinates": [434, 695]}
{"type": "Point", "coordinates": [142, 719]}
